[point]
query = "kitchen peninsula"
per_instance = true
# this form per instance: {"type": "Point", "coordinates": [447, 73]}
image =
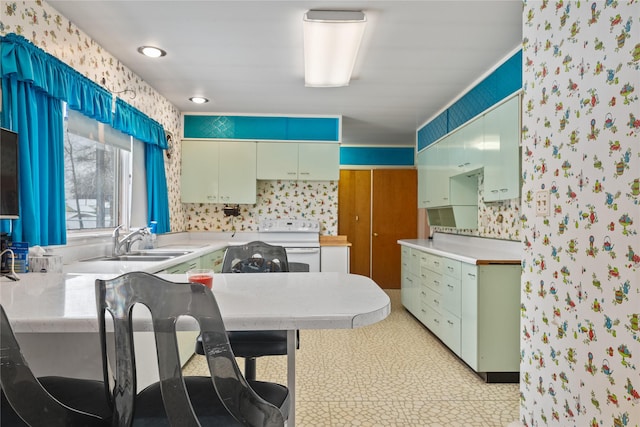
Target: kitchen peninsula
{"type": "Point", "coordinates": [54, 315]}
{"type": "Point", "coordinates": [466, 291]}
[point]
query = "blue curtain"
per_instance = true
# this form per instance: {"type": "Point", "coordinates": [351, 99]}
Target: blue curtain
{"type": "Point", "coordinates": [41, 163]}
{"type": "Point", "coordinates": [33, 84]}
{"type": "Point", "coordinates": [131, 121]}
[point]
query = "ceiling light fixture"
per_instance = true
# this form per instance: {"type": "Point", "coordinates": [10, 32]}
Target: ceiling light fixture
{"type": "Point", "coordinates": [198, 100]}
{"type": "Point", "coordinates": [151, 51]}
{"type": "Point", "coordinates": [331, 42]}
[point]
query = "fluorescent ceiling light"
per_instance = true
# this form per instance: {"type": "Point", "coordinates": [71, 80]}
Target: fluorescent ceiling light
{"type": "Point", "coordinates": [331, 42]}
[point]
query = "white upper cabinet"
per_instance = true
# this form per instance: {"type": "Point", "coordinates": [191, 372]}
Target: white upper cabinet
{"type": "Point", "coordinates": [237, 172]}
{"type": "Point", "coordinates": [435, 180]}
{"type": "Point", "coordinates": [423, 193]}
{"type": "Point", "coordinates": [304, 161]}
{"type": "Point", "coordinates": [501, 153]}
{"type": "Point", "coordinates": [199, 179]}
{"type": "Point", "coordinates": [218, 172]}
{"type": "Point", "coordinates": [467, 146]}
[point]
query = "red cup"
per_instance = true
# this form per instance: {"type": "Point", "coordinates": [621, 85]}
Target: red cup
{"type": "Point", "coordinates": [202, 275]}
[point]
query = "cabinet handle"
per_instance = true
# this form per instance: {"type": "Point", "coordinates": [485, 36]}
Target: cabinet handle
{"type": "Point", "coordinates": [436, 302]}
{"type": "Point", "coordinates": [436, 321]}
{"type": "Point", "coordinates": [304, 173]}
{"type": "Point", "coordinates": [423, 293]}
{"type": "Point", "coordinates": [435, 282]}
{"type": "Point", "coordinates": [375, 234]}
{"type": "Point", "coordinates": [450, 322]}
{"type": "Point", "coordinates": [292, 173]}
{"type": "Point", "coordinates": [494, 191]}
{"type": "Point", "coordinates": [451, 286]}
{"type": "Point", "coordinates": [504, 189]}
{"type": "Point", "coordinates": [471, 275]}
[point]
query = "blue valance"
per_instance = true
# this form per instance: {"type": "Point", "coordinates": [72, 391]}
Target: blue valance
{"type": "Point", "coordinates": [22, 61]}
{"type": "Point", "coordinates": [133, 122]}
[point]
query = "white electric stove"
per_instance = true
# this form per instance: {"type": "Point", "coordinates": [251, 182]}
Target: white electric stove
{"type": "Point", "coordinates": [300, 238]}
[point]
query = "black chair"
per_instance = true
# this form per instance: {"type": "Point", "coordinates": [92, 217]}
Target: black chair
{"type": "Point", "coordinates": [47, 401]}
{"type": "Point", "coordinates": [255, 257]}
{"type": "Point", "coordinates": [225, 398]}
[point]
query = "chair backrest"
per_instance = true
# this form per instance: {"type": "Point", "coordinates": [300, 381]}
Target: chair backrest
{"type": "Point", "coordinates": [167, 301]}
{"type": "Point", "coordinates": [29, 400]}
{"type": "Point", "coordinates": [255, 257]}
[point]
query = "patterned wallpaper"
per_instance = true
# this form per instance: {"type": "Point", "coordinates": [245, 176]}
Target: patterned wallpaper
{"type": "Point", "coordinates": [276, 199]}
{"type": "Point", "coordinates": [580, 339]}
{"type": "Point", "coordinates": [52, 32]}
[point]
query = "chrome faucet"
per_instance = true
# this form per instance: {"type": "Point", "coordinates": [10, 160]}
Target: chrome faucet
{"type": "Point", "coordinates": [123, 246]}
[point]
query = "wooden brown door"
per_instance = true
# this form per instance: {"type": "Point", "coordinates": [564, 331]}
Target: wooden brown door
{"type": "Point", "coordinates": [395, 211]}
{"type": "Point", "coordinates": [354, 217]}
{"type": "Point", "coordinates": [373, 234]}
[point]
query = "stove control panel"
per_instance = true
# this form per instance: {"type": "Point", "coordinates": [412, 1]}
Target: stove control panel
{"type": "Point", "coordinates": [289, 225]}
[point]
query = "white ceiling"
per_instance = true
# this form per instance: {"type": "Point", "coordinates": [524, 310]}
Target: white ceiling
{"type": "Point", "coordinates": [247, 57]}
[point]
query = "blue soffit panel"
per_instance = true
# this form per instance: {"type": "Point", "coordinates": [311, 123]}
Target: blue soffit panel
{"type": "Point", "coordinates": [502, 82]}
{"type": "Point", "coordinates": [262, 128]}
{"type": "Point", "coordinates": [377, 156]}
{"type": "Point", "coordinates": [432, 131]}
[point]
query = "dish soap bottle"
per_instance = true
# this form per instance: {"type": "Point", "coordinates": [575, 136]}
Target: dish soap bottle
{"type": "Point", "coordinates": [153, 238]}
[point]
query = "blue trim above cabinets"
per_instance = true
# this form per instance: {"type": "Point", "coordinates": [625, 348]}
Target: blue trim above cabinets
{"type": "Point", "coordinates": [262, 128]}
{"type": "Point", "coordinates": [502, 82]}
{"type": "Point", "coordinates": [377, 156]}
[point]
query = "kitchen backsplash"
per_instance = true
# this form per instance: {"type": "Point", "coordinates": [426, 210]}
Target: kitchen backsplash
{"type": "Point", "coordinates": [276, 199]}
{"type": "Point", "coordinates": [496, 220]}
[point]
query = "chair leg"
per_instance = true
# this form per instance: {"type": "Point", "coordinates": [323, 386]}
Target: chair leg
{"type": "Point", "coordinates": [250, 368]}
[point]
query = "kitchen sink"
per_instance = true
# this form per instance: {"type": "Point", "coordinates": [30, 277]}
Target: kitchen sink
{"type": "Point", "coordinates": [137, 258]}
{"type": "Point", "coordinates": [143, 256]}
{"type": "Point", "coordinates": [159, 252]}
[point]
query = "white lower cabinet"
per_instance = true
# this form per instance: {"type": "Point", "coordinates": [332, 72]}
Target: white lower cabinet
{"type": "Point", "coordinates": [410, 288]}
{"type": "Point", "coordinates": [491, 317]}
{"type": "Point", "coordinates": [473, 309]}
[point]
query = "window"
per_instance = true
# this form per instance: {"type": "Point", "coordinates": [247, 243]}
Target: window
{"type": "Point", "coordinates": [97, 164]}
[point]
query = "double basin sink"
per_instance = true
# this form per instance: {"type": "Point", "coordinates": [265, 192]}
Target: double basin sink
{"type": "Point", "coordinates": [143, 256]}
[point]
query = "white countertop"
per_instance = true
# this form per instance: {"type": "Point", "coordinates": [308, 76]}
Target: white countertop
{"type": "Point", "coordinates": [54, 303]}
{"type": "Point", "coordinates": [469, 249]}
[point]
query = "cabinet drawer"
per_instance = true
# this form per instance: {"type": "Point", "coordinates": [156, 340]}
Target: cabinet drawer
{"type": "Point", "coordinates": [450, 331]}
{"type": "Point", "coordinates": [451, 267]}
{"type": "Point", "coordinates": [432, 299]}
{"type": "Point", "coordinates": [451, 295]}
{"type": "Point", "coordinates": [433, 263]}
{"type": "Point", "coordinates": [431, 280]}
{"type": "Point", "coordinates": [432, 319]}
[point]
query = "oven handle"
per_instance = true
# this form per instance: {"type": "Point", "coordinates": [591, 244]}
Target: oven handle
{"type": "Point", "coordinates": [302, 250]}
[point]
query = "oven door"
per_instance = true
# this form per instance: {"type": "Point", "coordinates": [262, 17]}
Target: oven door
{"type": "Point", "coordinates": [303, 259]}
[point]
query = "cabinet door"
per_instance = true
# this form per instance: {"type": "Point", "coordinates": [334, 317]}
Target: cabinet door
{"type": "Point", "coordinates": [318, 162]}
{"type": "Point", "coordinates": [277, 160]}
{"type": "Point", "coordinates": [502, 148]}
{"type": "Point", "coordinates": [473, 146]}
{"type": "Point", "coordinates": [437, 173]}
{"type": "Point", "coordinates": [410, 283]}
{"type": "Point", "coordinates": [199, 179]}
{"type": "Point", "coordinates": [237, 172]}
{"type": "Point", "coordinates": [422, 179]}
{"type": "Point", "coordinates": [469, 315]}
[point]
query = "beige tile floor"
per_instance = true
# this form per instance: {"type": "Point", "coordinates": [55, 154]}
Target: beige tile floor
{"type": "Point", "coordinates": [393, 373]}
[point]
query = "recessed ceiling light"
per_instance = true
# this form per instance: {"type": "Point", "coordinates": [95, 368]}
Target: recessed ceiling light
{"type": "Point", "coordinates": [151, 51]}
{"type": "Point", "coordinates": [198, 100]}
